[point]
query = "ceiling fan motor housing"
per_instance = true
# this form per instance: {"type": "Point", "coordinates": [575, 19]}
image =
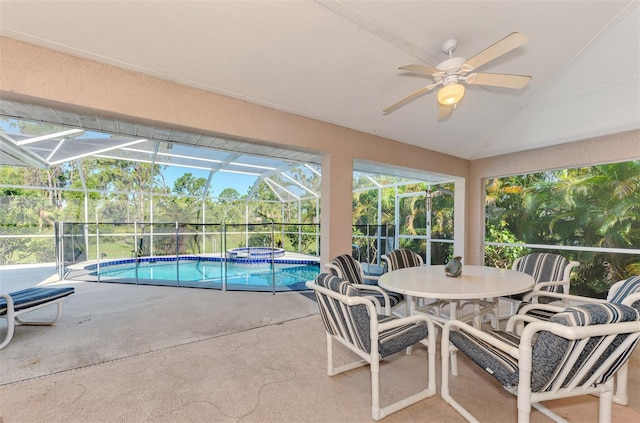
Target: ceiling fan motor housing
{"type": "Point", "coordinates": [451, 68]}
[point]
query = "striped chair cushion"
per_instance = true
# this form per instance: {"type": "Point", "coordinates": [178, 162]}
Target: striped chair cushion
{"type": "Point", "coordinates": [549, 351]}
{"type": "Point", "coordinates": [629, 287]}
{"type": "Point", "coordinates": [352, 323]}
{"type": "Point", "coordinates": [351, 271]}
{"type": "Point", "coordinates": [402, 258]}
{"type": "Point", "coordinates": [497, 363]}
{"type": "Point", "coordinates": [544, 267]}
{"type": "Point", "coordinates": [349, 267]}
{"type": "Point", "coordinates": [394, 297]}
{"type": "Point", "coordinates": [32, 297]}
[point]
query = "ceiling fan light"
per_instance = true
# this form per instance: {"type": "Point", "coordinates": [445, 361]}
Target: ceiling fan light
{"type": "Point", "coordinates": [450, 94]}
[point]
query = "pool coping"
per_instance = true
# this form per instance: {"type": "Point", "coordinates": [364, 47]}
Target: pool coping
{"type": "Point", "coordinates": [237, 260]}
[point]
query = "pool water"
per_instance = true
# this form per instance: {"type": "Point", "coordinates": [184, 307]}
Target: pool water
{"type": "Point", "coordinates": [212, 274]}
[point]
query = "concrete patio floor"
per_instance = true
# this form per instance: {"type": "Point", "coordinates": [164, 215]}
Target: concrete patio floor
{"type": "Point", "coordinates": [126, 353]}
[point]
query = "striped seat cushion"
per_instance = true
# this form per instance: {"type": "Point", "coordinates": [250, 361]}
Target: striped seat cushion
{"type": "Point", "coordinates": [549, 351]}
{"type": "Point", "coordinates": [498, 364]}
{"type": "Point", "coordinates": [394, 297]}
{"type": "Point", "coordinates": [539, 314]}
{"type": "Point", "coordinates": [32, 297]}
{"type": "Point", "coordinates": [352, 322]}
{"type": "Point", "coordinates": [402, 258]}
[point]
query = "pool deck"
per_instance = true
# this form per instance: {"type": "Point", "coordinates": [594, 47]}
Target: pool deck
{"type": "Point", "coordinates": [127, 353]}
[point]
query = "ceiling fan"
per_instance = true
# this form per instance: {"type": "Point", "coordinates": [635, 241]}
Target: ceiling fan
{"type": "Point", "coordinates": [452, 71]}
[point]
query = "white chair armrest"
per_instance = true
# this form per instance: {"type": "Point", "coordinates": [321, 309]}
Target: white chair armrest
{"type": "Point", "coordinates": [565, 297]}
{"type": "Point", "coordinates": [502, 346]}
{"type": "Point", "coordinates": [376, 302]}
{"type": "Point", "coordinates": [516, 322]}
{"type": "Point", "coordinates": [372, 278]}
{"type": "Point", "coordinates": [408, 320]}
{"type": "Point", "coordinates": [541, 285]}
{"type": "Point", "coordinates": [374, 288]}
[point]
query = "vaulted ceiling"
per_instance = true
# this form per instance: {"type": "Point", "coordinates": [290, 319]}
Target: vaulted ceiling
{"type": "Point", "coordinates": [337, 61]}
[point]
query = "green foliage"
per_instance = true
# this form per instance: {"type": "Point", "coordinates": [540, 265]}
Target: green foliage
{"type": "Point", "coordinates": [304, 240]}
{"type": "Point", "coordinates": [260, 240]}
{"type": "Point", "coordinates": [597, 206]}
{"type": "Point", "coordinates": [188, 184]}
{"type": "Point", "coordinates": [502, 256]}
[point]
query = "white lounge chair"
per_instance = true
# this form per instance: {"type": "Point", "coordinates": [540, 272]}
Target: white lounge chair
{"type": "Point", "coordinates": [15, 304]}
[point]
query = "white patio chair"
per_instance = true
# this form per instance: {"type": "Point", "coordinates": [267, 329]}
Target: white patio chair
{"type": "Point", "coordinates": [353, 320]}
{"type": "Point", "coordinates": [576, 353]}
{"type": "Point", "coordinates": [625, 292]}
{"type": "Point", "coordinates": [348, 268]}
{"type": "Point", "coordinates": [551, 272]}
{"type": "Point", "coordinates": [402, 258]}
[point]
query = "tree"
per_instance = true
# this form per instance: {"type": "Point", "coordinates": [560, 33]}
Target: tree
{"type": "Point", "coordinates": [188, 184]}
{"type": "Point", "coordinates": [597, 206]}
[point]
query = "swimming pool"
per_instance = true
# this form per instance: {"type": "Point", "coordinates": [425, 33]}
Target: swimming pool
{"type": "Point", "coordinates": [209, 272]}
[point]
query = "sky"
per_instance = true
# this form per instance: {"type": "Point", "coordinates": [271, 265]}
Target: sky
{"type": "Point", "coordinates": [220, 181]}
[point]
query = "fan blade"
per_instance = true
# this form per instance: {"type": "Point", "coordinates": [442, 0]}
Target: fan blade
{"type": "Point", "coordinates": [409, 98]}
{"type": "Point", "coordinates": [444, 111]}
{"type": "Point", "coordinates": [503, 46]}
{"type": "Point", "coordinates": [498, 80]}
{"type": "Point", "coordinates": [423, 69]}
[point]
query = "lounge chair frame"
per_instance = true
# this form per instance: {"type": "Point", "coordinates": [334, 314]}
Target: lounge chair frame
{"type": "Point", "coordinates": [14, 310]}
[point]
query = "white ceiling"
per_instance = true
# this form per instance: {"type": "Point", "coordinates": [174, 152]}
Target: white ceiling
{"type": "Point", "coordinates": [337, 61]}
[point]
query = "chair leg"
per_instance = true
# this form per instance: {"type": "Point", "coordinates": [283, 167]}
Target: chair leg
{"type": "Point", "coordinates": [11, 324]}
{"type": "Point", "coordinates": [495, 314]}
{"type": "Point", "coordinates": [621, 397]}
{"type": "Point", "coordinates": [524, 406]}
{"type": "Point", "coordinates": [454, 363]}
{"type": "Point", "coordinates": [606, 401]}
{"type": "Point", "coordinates": [544, 410]}
{"type": "Point", "coordinates": [449, 351]}
{"type": "Point", "coordinates": [375, 389]}
{"type": "Point", "coordinates": [330, 369]}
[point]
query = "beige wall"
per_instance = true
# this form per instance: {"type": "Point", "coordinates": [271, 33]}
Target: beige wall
{"type": "Point", "coordinates": [39, 76]}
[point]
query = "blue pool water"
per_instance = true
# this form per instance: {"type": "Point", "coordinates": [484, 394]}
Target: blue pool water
{"type": "Point", "coordinates": [263, 276]}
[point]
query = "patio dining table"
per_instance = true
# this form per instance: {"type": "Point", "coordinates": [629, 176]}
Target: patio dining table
{"type": "Point", "coordinates": [480, 285]}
